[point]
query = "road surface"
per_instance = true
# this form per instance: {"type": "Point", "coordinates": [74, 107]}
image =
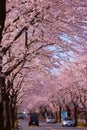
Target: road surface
{"type": "Point", "coordinates": [23, 125]}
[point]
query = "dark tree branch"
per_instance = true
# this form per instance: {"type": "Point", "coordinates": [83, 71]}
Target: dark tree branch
{"type": "Point", "coordinates": [2, 16]}
{"type": "Point", "coordinates": [9, 70]}
{"type": "Point", "coordinates": [5, 49]}
{"type": "Point", "coordinates": [20, 33]}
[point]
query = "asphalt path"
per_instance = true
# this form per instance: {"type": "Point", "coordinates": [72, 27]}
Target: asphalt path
{"type": "Point", "coordinates": [23, 125]}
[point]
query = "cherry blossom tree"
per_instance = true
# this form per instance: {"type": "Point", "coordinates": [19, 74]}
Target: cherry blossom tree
{"type": "Point", "coordinates": [42, 36]}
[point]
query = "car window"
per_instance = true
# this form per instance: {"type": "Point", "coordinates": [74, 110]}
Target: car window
{"type": "Point", "coordinates": [33, 117]}
{"type": "Point", "coordinates": [50, 118]}
{"type": "Point", "coordinates": [68, 119]}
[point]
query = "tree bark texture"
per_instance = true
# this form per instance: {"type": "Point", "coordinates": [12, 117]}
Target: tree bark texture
{"type": "Point", "coordinates": [2, 16]}
{"type": "Point", "coordinates": [2, 22]}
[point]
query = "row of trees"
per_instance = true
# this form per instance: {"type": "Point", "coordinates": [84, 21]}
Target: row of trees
{"type": "Point", "coordinates": [67, 91]}
{"type": "Point", "coordinates": [35, 39]}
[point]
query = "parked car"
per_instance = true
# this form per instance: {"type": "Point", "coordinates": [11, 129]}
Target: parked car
{"type": "Point", "coordinates": [68, 121]}
{"type": "Point", "coordinates": [33, 119]}
{"type": "Point", "coordinates": [21, 115]}
{"type": "Point", "coordinates": [50, 120]}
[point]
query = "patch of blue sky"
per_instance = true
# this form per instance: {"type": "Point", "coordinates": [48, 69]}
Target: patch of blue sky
{"type": "Point", "coordinates": [47, 69]}
{"type": "Point", "coordinates": [65, 56]}
{"type": "Point", "coordinates": [82, 26]}
{"type": "Point", "coordinates": [65, 37]}
{"type": "Point", "coordinates": [79, 47]}
{"type": "Point", "coordinates": [69, 40]}
{"type": "Point", "coordinates": [62, 62]}
{"type": "Point", "coordinates": [75, 38]}
{"type": "Point", "coordinates": [55, 56]}
{"type": "Point", "coordinates": [62, 54]}
{"type": "Point", "coordinates": [55, 48]}
{"type": "Point", "coordinates": [55, 71]}
{"type": "Point", "coordinates": [71, 59]}
{"type": "Point", "coordinates": [70, 52]}
{"type": "Point", "coordinates": [51, 48]}
{"type": "Point", "coordinates": [85, 34]}
{"type": "Point", "coordinates": [56, 63]}
{"type": "Point", "coordinates": [84, 21]}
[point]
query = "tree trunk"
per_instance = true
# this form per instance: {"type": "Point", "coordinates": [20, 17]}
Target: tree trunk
{"type": "Point", "coordinates": [86, 118]}
{"type": "Point", "coordinates": [2, 22]}
{"type": "Point", "coordinates": [8, 125]}
{"type": "Point", "coordinates": [75, 114]}
{"type": "Point", "coordinates": [59, 114]}
{"type": "Point", "coordinates": [1, 116]}
{"type": "Point", "coordinates": [2, 16]}
{"type": "Point", "coordinates": [68, 111]}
